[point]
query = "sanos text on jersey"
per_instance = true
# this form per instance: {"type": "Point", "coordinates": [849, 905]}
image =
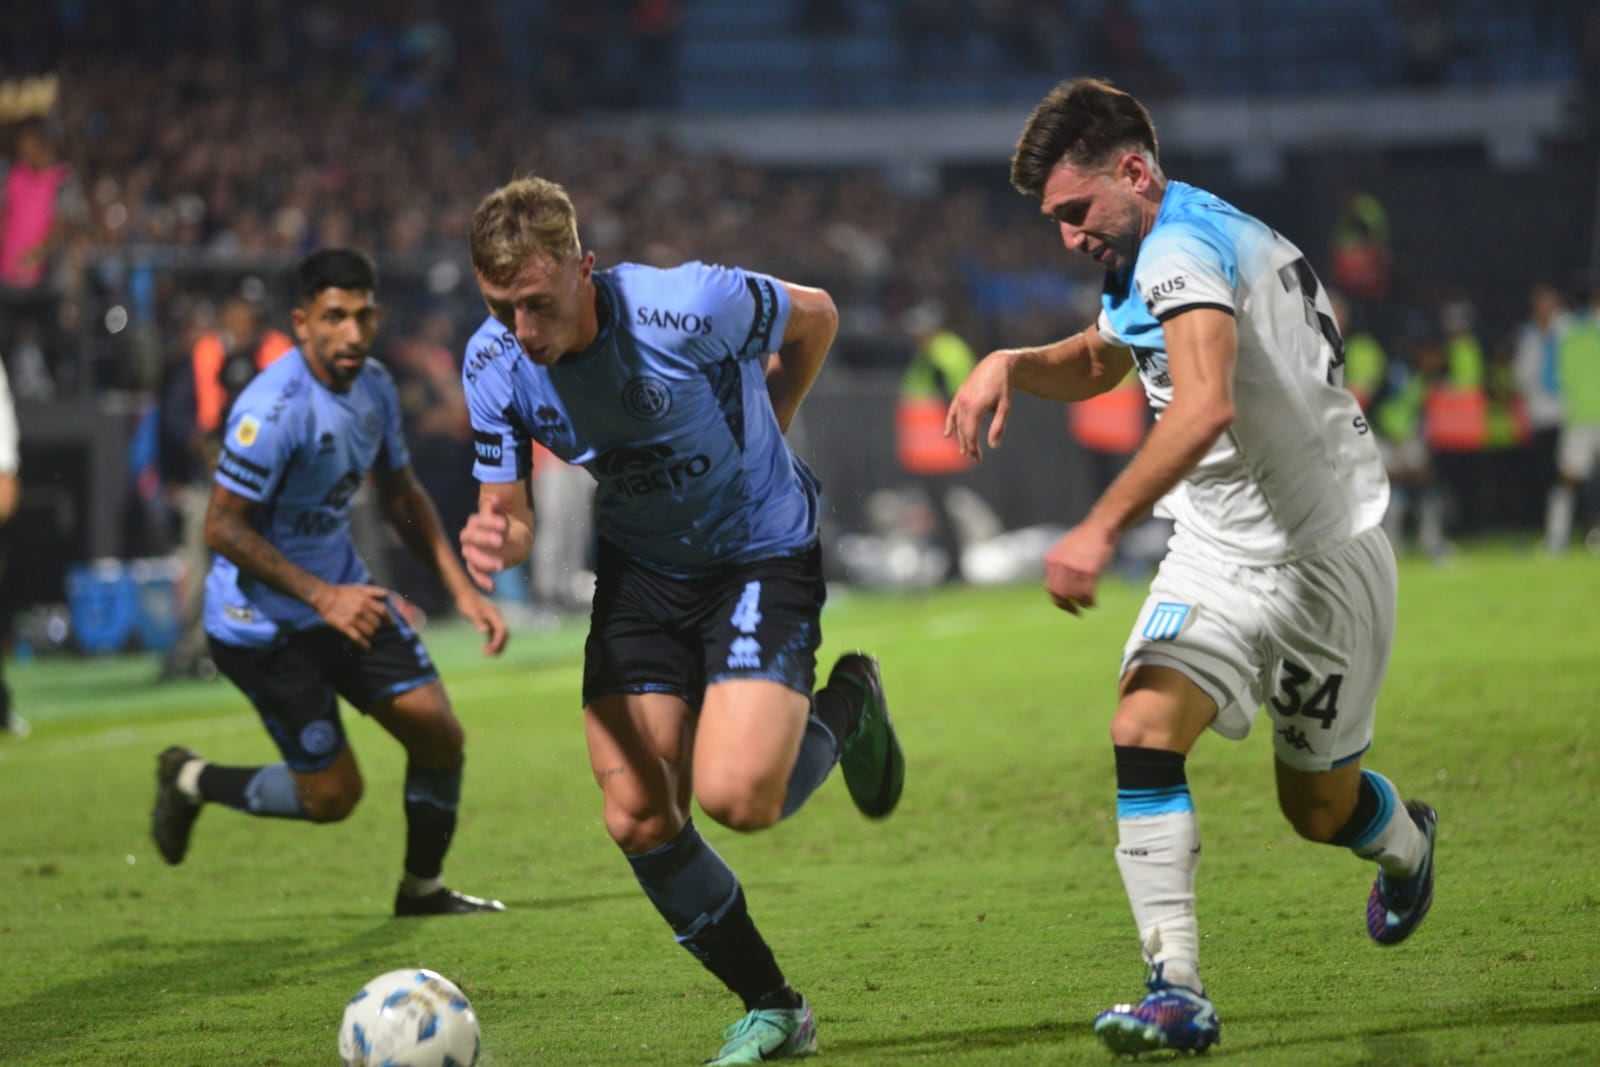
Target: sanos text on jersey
{"type": "Point", "coordinates": [685, 322]}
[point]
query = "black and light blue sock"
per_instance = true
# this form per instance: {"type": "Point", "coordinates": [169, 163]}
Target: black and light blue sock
{"type": "Point", "coordinates": [701, 899]}
{"type": "Point", "coordinates": [269, 791]}
{"type": "Point", "coordinates": [1381, 829]}
{"type": "Point", "coordinates": [432, 799]}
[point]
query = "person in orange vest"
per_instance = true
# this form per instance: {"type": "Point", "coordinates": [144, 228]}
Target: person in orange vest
{"type": "Point", "coordinates": [222, 362]}
{"type": "Point", "coordinates": [940, 362]}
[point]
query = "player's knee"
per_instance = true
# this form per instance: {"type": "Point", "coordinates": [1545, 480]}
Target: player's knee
{"type": "Point", "coordinates": [331, 800]}
{"type": "Point", "coordinates": [1316, 823]}
{"type": "Point", "coordinates": [639, 833]}
{"type": "Point", "coordinates": [1130, 730]}
{"type": "Point", "coordinates": [744, 810]}
{"type": "Point", "coordinates": [443, 743]}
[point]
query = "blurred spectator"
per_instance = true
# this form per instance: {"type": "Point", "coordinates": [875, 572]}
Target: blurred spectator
{"type": "Point", "coordinates": [1365, 362]}
{"type": "Point", "coordinates": [1578, 451]}
{"type": "Point", "coordinates": [1457, 416]}
{"type": "Point", "coordinates": [1396, 414]}
{"type": "Point", "coordinates": [194, 412]}
{"type": "Point", "coordinates": [1428, 42]}
{"type": "Point", "coordinates": [562, 575]}
{"type": "Point", "coordinates": [10, 493]}
{"type": "Point", "coordinates": [653, 29]}
{"type": "Point", "coordinates": [940, 361]}
{"type": "Point", "coordinates": [1534, 364]}
{"type": "Point", "coordinates": [434, 410]}
{"type": "Point", "coordinates": [1117, 39]}
{"type": "Point", "coordinates": [1361, 256]}
{"type": "Point", "coordinates": [32, 221]}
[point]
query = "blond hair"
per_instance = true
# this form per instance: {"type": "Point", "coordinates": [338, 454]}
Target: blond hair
{"type": "Point", "coordinates": [520, 220]}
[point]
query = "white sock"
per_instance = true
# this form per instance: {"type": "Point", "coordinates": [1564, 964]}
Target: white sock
{"type": "Point", "coordinates": [1399, 845]}
{"type": "Point", "coordinates": [188, 782]}
{"type": "Point", "coordinates": [1158, 855]}
{"type": "Point", "coordinates": [1558, 509]}
{"type": "Point", "coordinates": [412, 886]}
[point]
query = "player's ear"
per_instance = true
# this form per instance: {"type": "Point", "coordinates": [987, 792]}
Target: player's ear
{"type": "Point", "coordinates": [298, 318]}
{"type": "Point", "coordinates": [585, 266]}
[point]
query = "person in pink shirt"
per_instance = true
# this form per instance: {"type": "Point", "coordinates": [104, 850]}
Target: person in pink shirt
{"type": "Point", "coordinates": [30, 222]}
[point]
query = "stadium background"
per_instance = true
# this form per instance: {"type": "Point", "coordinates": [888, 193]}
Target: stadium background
{"type": "Point", "coordinates": [857, 146]}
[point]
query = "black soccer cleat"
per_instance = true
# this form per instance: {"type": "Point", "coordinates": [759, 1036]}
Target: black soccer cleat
{"type": "Point", "coordinates": [873, 764]}
{"type": "Point", "coordinates": [442, 902]}
{"type": "Point", "coordinates": [172, 819]}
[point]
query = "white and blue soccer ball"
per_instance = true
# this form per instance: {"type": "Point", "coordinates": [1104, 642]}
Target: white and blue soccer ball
{"type": "Point", "coordinates": [410, 1018]}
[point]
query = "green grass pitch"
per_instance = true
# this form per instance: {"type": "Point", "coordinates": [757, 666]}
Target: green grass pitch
{"type": "Point", "coordinates": [983, 924]}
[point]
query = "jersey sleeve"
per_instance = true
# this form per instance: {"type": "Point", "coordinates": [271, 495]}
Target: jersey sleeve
{"type": "Point", "coordinates": [392, 454]}
{"type": "Point", "coordinates": [1183, 268]}
{"type": "Point", "coordinates": [747, 312]}
{"type": "Point", "coordinates": [257, 448]}
{"type": "Point", "coordinates": [501, 450]}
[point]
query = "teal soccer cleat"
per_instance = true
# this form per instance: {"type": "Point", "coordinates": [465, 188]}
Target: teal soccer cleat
{"type": "Point", "coordinates": [770, 1034]}
{"type": "Point", "coordinates": [871, 760]}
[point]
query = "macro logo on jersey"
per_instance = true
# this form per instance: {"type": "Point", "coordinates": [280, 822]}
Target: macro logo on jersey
{"type": "Point", "coordinates": [759, 339]}
{"type": "Point", "coordinates": [245, 432]}
{"type": "Point", "coordinates": [641, 470]}
{"type": "Point", "coordinates": [1165, 621]}
{"type": "Point", "coordinates": [682, 321]}
{"type": "Point", "coordinates": [487, 447]}
{"type": "Point", "coordinates": [647, 398]}
{"type": "Point", "coordinates": [252, 476]}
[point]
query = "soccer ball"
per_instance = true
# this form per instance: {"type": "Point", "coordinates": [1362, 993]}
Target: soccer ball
{"type": "Point", "coordinates": [409, 1018]}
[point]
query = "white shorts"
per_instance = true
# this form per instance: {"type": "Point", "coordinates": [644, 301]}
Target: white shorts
{"type": "Point", "coordinates": [1308, 639]}
{"type": "Point", "coordinates": [1577, 451]}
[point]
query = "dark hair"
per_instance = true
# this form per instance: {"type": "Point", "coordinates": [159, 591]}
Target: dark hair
{"type": "Point", "coordinates": [336, 268]}
{"type": "Point", "coordinates": [1084, 121]}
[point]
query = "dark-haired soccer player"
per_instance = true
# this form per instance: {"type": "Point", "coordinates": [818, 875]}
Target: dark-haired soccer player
{"type": "Point", "coordinates": [291, 614]}
{"type": "Point", "coordinates": [674, 389]}
{"type": "Point", "coordinates": [1279, 586]}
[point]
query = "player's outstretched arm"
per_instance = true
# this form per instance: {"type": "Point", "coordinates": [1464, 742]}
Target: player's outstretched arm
{"type": "Point", "coordinates": [1077, 368]}
{"type": "Point", "coordinates": [354, 610]}
{"type": "Point", "coordinates": [410, 511]}
{"type": "Point", "coordinates": [791, 371]}
{"type": "Point", "coordinates": [500, 533]}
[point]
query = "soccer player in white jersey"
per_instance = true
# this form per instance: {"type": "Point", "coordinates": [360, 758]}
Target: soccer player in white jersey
{"type": "Point", "coordinates": [1279, 586]}
{"type": "Point", "coordinates": [673, 388]}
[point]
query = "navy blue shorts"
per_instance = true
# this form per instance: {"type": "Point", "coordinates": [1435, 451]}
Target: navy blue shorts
{"type": "Point", "coordinates": [294, 683]}
{"type": "Point", "coordinates": [654, 633]}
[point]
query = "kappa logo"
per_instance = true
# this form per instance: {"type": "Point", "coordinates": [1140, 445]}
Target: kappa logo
{"type": "Point", "coordinates": [245, 433]}
{"type": "Point", "coordinates": [1296, 738]}
{"type": "Point", "coordinates": [647, 398]}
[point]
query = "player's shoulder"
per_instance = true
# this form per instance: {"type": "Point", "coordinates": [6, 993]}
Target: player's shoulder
{"type": "Point", "coordinates": [489, 354]}
{"type": "Point", "coordinates": [277, 386]}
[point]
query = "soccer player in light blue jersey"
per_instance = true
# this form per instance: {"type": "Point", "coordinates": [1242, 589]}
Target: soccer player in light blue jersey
{"type": "Point", "coordinates": [674, 389]}
{"type": "Point", "coordinates": [1279, 585]}
{"type": "Point", "coordinates": [291, 612]}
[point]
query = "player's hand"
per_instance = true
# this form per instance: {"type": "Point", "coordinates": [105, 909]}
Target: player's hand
{"type": "Point", "coordinates": [354, 610]}
{"type": "Point", "coordinates": [1073, 566]}
{"type": "Point", "coordinates": [486, 619]}
{"type": "Point", "coordinates": [987, 390]}
{"type": "Point", "coordinates": [483, 541]}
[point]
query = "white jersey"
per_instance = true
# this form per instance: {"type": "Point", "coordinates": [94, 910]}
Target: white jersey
{"type": "Point", "coordinates": [1298, 472]}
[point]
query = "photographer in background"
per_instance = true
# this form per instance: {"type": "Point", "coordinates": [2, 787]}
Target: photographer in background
{"type": "Point", "coordinates": [10, 493]}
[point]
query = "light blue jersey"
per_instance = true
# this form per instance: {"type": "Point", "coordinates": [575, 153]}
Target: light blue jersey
{"type": "Point", "coordinates": [1298, 471]}
{"type": "Point", "coordinates": [668, 410]}
{"type": "Point", "coordinates": [300, 450]}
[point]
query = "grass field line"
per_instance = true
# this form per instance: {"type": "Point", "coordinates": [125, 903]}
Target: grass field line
{"type": "Point", "coordinates": [130, 736]}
